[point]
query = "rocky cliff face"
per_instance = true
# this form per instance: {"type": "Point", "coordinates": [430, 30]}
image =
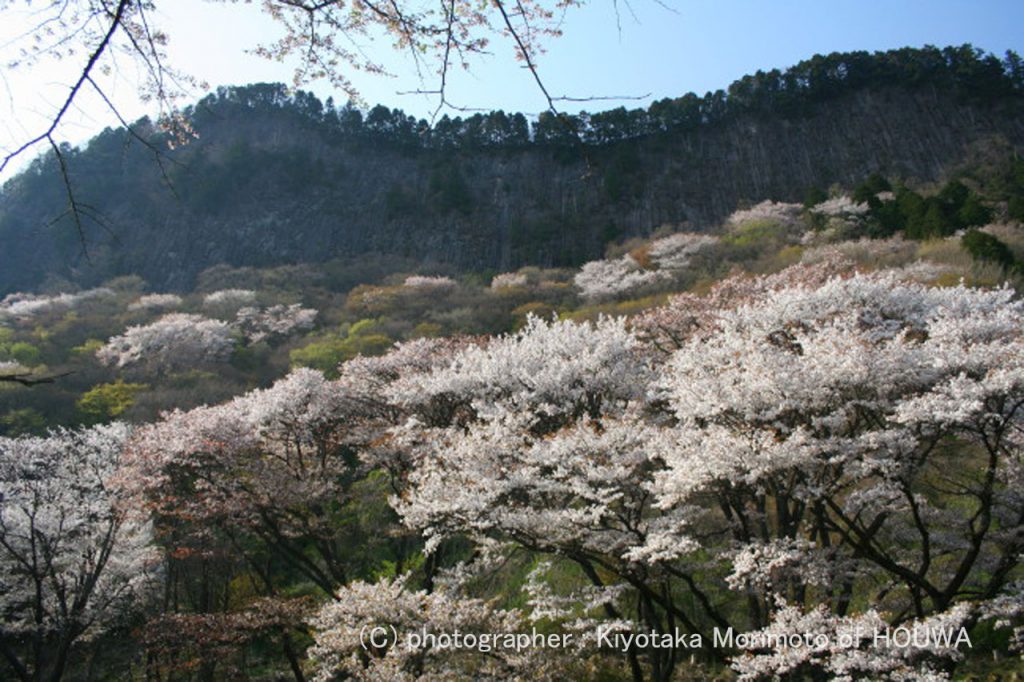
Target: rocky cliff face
{"type": "Point", "coordinates": [263, 191]}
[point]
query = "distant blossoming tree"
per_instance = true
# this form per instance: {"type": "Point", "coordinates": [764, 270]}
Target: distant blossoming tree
{"type": "Point", "coordinates": [175, 341]}
{"type": "Point", "coordinates": [602, 280]}
{"type": "Point", "coordinates": [840, 207]}
{"type": "Point", "coordinates": [430, 283]}
{"type": "Point", "coordinates": [273, 323]}
{"type": "Point", "coordinates": [509, 280]}
{"type": "Point", "coordinates": [26, 306]}
{"type": "Point", "coordinates": [778, 212]}
{"type": "Point", "coordinates": [225, 303]}
{"type": "Point", "coordinates": [676, 251]}
{"type": "Point", "coordinates": [156, 302]}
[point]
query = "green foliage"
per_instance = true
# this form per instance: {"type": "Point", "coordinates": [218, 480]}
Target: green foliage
{"type": "Point", "coordinates": [426, 330]}
{"type": "Point", "coordinates": [985, 247]}
{"type": "Point", "coordinates": [448, 189]}
{"type": "Point", "coordinates": [25, 421]}
{"type": "Point", "coordinates": [973, 212]}
{"type": "Point", "coordinates": [874, 184]}
{"type": "Point", "coordinates": [755, 237]}
{"type": "Point", "coordinates": [1009, 185]}
{"type": "Point", "coordinates": [324, 355]}
{"type": "Point", "coordinates": [88, 348]}
{"type": "Point", "coordinates": [24, 353]}
{"type": "Point", "coordinates": [1016, 208]}
{"type": "Point", "coordinates": [814, 196]}
{"type": "Point", "coordinates": [953, 208]}
{"type": "Point", "coordinates": [250, 359]}
{"type": "Point", "coordinates": [327, 353]}
{"type": "Point", "coordinates": [107, 401]}
{"type": "Point", "coordinates": [362, 327]}
{"type": "Point", "coordinates": [615, 309]}
{"type": "Point", "coordinates": [931, 223]}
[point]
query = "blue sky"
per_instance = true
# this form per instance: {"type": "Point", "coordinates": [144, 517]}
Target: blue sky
{"type": "Point", "coordinates": [644, 48]}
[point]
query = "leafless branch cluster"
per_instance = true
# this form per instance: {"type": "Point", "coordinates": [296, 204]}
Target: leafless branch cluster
{"type": "Point", "coordinates": [328, 39]}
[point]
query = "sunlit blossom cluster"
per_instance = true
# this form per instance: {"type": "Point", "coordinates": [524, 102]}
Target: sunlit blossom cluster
{"type": "Point", "coordinates": [840, 207]}
{"type": "Point", "coordinates": [24, 306]}
{"type": "Point", "coordinates": [508, 280]}
{"type": "Point", "coordinates": [676, 251]}
{"type": "Point", "coordinates": [274, 322]}
{"type": "Point", "coordinates": [230, 297]}
{"type": "Point", "coordinates": [175, 341]}
{"type": "Point", "coordinates": [156, 302]}
{"type": "Point", "coordinates": [768, 211]}
{"type": "Point", "coordinates": [606, 279]}
{"type": "Point", "coordinates": [430, 283]}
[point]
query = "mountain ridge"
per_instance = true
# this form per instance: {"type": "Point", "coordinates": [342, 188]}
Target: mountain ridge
{"type": "Point", "coordinates": [275, 178]}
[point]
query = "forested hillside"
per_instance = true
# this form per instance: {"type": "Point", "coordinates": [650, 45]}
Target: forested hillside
{"type": "Point", "coordinates": [752, 453]}
{"type": "Point", "coordinates": [297, 420]}
{"type": "Point", "coordinates": [275, 178]}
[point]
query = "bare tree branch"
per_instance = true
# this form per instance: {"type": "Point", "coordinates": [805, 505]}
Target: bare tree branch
{"type": "Point", "coordinates": [524, 53]}
{"type": "Point", "coordinates": [115, 24]}
{"type": "Point", "coordinates": [29, 379]}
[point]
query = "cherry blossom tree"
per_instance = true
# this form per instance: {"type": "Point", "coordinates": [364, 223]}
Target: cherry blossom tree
{"type": "Point", "coordinates": [676, 251]}
{"type": "Point", "coordinates": [271, 463]}
{"type": "Point", "coordinates": [174, 342]}
{"type": "Point", "coordinates": [862, 430]}
{"type": "Point", "coordinates": [74, 558]}
{"type": "Point", "coordinates": [840, 206]}
{"type": "Point", "coordinates": [509, 280]}
{"type": "Point", "coordinates": [602, 280]}
{"type": "Point", "coordinates": [426, 624]}
{"type": "Point", "coordinates": [156, 302]}
{"type": "Point", "coordinates": [275, 487]}
{"type": "Point", "coordinates": [273, 323]}
{"type": "Point", "coordinates": [259, 488]}
{"type": "Point", "coordinates": [845, 647]}
{"type": "Point", "coordinates": [540, 438]}
{"type": "Point", "coordinates": [666, 328]}
{"type": "Point", "coordinates": [225, 303]}
{"type": "Point", "coordinates": [24, 307]}
{"type": "Point", "coordinates": [778, 212]}
{"type": "Point", "coordinates": [437, 284]}
{"type": "Point", "coordinates": [803, 441]}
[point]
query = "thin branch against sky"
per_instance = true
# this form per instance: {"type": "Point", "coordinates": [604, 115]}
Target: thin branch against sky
{"type": "Point", "coordinates": [663, 52]}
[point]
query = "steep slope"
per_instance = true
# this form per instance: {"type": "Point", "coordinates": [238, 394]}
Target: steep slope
{"type": "Point", "coordinates": [273, 179]}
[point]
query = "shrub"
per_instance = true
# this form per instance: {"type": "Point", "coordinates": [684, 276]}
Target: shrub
{"type": "Point", "coordinates": [107, 401]}
{"type": "Point", "coordinates": [986, 247]}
